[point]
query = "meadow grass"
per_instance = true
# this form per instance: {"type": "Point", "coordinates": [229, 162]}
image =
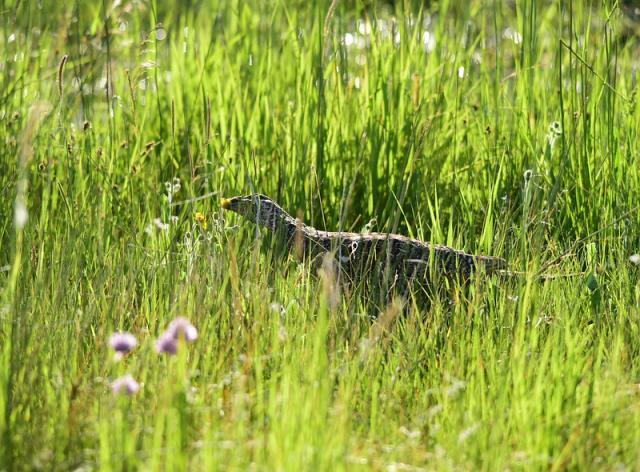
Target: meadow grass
{"type": "Point", "coordinates": [503, 128]}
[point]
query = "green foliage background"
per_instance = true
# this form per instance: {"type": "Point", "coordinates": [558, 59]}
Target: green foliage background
{"type": "Point", "coordinates": [505, 128]}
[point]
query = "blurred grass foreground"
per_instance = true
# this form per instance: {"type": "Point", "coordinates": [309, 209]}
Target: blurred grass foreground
{"type": "Point", "coordinates": [140, 328]}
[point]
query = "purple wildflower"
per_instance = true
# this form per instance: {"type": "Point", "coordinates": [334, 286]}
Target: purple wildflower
{"type": "Point", "coordinates": [126, 384]}
{"type": "Point", "coordinates": [182, 328]}
{"type": "Point", "coordinates": [167, 344]}
{"type": "Point", "coordinates": [179, 329]}
{"type": "Point", "coordinates": [122, 343]}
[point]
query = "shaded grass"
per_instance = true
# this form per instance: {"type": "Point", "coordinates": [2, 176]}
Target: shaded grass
{"type": "Point", "coordinates": [528, 153]}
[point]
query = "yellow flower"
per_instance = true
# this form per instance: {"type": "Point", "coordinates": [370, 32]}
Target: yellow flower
{"type": "Point", "coordinates": [201, 219]}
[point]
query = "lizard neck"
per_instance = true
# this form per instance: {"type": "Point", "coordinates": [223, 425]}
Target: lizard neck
{"type": "Point", "coordinates": [285, 225]}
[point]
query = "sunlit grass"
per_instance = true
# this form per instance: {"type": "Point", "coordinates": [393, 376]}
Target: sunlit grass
{"type": "Point", "coordinates": [498, 129]}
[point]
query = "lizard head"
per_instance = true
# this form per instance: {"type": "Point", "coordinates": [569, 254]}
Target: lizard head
{"type": "Point", "coordinates": [257, 208]}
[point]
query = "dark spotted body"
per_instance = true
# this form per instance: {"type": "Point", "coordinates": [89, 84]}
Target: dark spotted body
{"type": "Point", "coordinates": [392, 257]}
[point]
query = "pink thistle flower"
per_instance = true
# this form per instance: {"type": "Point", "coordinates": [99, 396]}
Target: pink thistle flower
{"type": "Point", "coordinates": [167, 344]}
{"type": "Point", "coordinates": [122, 343]}
{"type": "Point", "coordinates": [182, 328]}
{"type": "Point", "coordinates": [126, 384]}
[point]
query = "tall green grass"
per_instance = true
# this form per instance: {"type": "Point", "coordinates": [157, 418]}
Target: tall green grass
{"type": "Point", "coordinates": [501, 128]}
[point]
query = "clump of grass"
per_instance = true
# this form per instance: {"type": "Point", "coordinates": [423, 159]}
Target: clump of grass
{"type": "Point", "coordinates": [508, 129]}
